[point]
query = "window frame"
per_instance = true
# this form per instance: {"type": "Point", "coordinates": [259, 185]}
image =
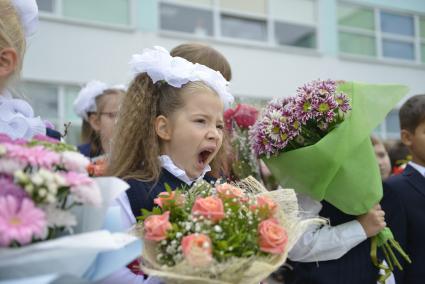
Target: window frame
{"type": "Point", "coordinates": [57, 15]}
{"type": "Point", "coordinates": [380, 36]}
{"type": "Point", "coordinates": [270, 40]}
{"type": "Point", "coordinates": [61, 106]}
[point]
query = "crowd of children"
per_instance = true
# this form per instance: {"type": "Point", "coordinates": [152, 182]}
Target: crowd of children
{"type": "Point", "coordinates": [167, 127]}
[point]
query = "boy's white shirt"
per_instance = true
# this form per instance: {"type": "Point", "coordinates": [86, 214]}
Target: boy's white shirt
{"type": "Point", "coordinates": [124, 275]}
{"type": "Point", "coordinates": [321, 243]}
{"type": "Point", "coordinates": [419, 168]}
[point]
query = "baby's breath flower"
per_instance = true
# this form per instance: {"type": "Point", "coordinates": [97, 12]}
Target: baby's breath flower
{"type": "Point", "coordinates": [218, 229]}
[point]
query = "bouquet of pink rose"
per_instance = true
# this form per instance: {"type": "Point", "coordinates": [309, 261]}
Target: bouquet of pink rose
{"type": "Point", "coordinates": [219, 234]}
{"type": "Point", "coordinates": [40, 181]}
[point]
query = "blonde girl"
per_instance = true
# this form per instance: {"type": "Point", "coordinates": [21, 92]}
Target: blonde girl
{"type": "Point", "coordinates": [18, 20]}
{"type": "Point", "coordinates": [170, 128]}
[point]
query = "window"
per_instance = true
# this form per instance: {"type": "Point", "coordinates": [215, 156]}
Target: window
{"type": "Point", "coordinates": [357, 27]}
{"type": "Point", "coordinates": [422, 37]}
{"type": "Point", "coordinates": [398, 49]}
{"type": "Point", "coordinates": [55, 104]}
{"type": "Point", "coordinates": [379, 33]}
{"type": "Point", "coordinates": [295, 22]}
{"type": "Point", "coordinates": [397, 24]}
{"type": "Point", "coordinates": [357, 44]}
{"type": "Point", "coordinates": [356, 17]}
{"type": "Point", "coordinates": [244, 28]}
{"type": "Point", "coordinates": [390, 127]}
{"type": "Point", "coordinates": [186, 19]}
{"type": "Point", "coordinates": [43, 98]}
{"type": "Point", "coordinates": [392, 123]}
{"type": "Point", "coordinates": [295, 35]}
{"type": "Point", "coordinates": [46, 5]}
{"type": "Point", "coordinates": [274, 22]}
{"type": "Point", "coordinates": [113, 12]}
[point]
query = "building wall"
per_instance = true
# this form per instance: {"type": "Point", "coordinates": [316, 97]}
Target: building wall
{"type": "Point", "coordinates": [68, 52]}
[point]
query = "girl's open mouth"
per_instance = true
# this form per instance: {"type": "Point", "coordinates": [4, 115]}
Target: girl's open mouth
{"type": "Point", "coordinates": [203, 157]}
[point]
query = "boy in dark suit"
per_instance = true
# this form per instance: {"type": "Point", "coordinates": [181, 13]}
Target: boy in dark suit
{"type": "Point", "coordinates": [404, 194]}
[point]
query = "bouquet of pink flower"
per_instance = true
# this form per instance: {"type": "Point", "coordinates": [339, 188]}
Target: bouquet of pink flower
{"type": "Point", "coordinates": [45, 192]}
{"type": "Point", "coordinates": [238, 122]}
{"type": "Point", "coordinates": [40, 181]}
{"type": "Point", "coordinates": [318, 142]}
{"type": "Point", "coordinates": [219, 234]}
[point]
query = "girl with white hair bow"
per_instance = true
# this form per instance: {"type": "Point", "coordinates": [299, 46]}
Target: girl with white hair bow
{"type": "Point", "coordinates": [18, 20]}
{"type": "Point", "coordinates": [97, 104]}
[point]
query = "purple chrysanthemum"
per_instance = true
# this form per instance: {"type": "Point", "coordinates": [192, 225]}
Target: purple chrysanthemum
{"type": "Point", "coordinates": [300, 120]}
{"type": "Point", "coordinates": [343, 102]}
{"type": "Point", "coordinates": [325, 107]}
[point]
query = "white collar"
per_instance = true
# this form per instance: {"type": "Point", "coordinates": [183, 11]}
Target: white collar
{"type": "Point", "coordinates": [419, 168]}
{"type": "Point", "coordinates": [169, 165]}
{"type": "Point", "coordinates": [17, 118]}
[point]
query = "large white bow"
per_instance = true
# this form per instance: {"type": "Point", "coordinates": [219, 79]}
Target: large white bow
{"type": "Point", "coordinates": [176, 71]}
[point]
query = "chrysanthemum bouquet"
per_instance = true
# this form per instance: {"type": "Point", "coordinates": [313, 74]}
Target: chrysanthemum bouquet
{"type": "Point", "coordinates": [219, 234]}
{"type": "Point", "coordinates": [301, 120]}
{"type": "Point", "coordinates": [318, 142]}
{"type": "Point", "coordinates": [238, 122]}
{"type": "Point", "coordinates": [45, 193]}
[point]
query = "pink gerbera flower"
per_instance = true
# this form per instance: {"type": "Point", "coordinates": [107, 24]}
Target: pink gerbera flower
{"type": "Point", "coordinates": [20, 222]}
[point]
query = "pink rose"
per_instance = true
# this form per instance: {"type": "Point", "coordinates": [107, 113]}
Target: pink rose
{"type": "Point", "coordinates": [210, 207]}
{"type": "Point", "coordinates": [197, 249]}
{"type": "Point", "coordinates": [165, 198]}
{"type": "Point", "coordinates": [156, 226]}
{"type": "Point", "coordinates": [272, 236]}
{"type": "Point", "coordinates": [264, 203]}
{"type": "Point", "coordinates": [226, 190]}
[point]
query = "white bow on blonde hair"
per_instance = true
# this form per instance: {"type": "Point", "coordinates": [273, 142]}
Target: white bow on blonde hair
{"type": "Point", "coordinates": [177, 71]}
{"type": "Point", "coordinates": [28, 12]}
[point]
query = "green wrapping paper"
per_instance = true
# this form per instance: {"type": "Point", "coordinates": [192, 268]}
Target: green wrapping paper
{"type": "Point", "coordinates": [341, 168]}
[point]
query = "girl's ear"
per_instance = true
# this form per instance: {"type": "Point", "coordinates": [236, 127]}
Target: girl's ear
{"type": "Point", "coordinates": [163, 127]}
{"type": "Point", "coordinates": [406, 137]}
{"type": "Point", "coordinates": [94, 121]}
{"type": "Point", "coordinates": [8, 61]}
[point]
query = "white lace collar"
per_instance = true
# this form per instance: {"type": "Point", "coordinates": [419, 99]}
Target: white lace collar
{"type": "Point", "coordinates": [419, 168]}
{"type": "Point", "coordinates": [169, 165]}
{"type": "Point", "coordinates": [17, 118]}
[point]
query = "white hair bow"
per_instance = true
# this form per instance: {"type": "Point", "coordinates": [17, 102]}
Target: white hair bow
{"type": "Point", "coordinates": [176, 71]}
{"type": "Point", "coordinates": [86, 100]}
{"type": "Point", "coordinates": [28, 12]}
